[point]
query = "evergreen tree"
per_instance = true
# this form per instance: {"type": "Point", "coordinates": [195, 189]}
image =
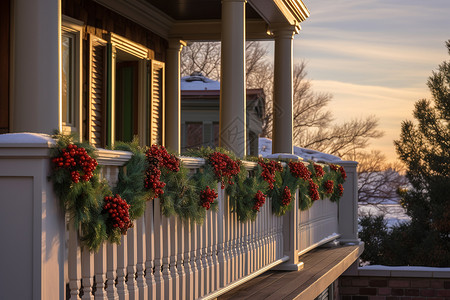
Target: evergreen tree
{"type": "Point", "coordinates": [424, 147]}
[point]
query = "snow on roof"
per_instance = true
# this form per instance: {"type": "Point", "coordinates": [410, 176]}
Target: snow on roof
{"type": "Point", "coordinates": [265, 150]}
{"type": "Point", "coordinates": [198, 82]}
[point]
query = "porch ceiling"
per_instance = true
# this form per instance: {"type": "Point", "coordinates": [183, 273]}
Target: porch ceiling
{"type": "Point", "coordinates": [201, 19]}
{"type": "Point", "coordinates": [183, 10]}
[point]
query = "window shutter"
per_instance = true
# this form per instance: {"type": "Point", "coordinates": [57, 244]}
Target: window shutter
{"type": "Point", "coordinates": [97, 92]}
{"type": "Point", "coordinates": [157, 103]}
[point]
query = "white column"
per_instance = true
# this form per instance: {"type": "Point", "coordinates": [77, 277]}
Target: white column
{"type": "Point", "coordinates": [36, 66]}
{"type": "Point", "coordinates": [173, 94]}
{"type": "Point", "coordinates": [283, 91]}
{"type": "Point", "coordinates": [232, 90]}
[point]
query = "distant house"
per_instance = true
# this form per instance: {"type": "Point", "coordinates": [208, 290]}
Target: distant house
{"type": "Point", "coordinates": [200, 104]}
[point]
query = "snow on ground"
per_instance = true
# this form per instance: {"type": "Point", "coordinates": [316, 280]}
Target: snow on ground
{"type": "Point", "coordinates": [394, 213]}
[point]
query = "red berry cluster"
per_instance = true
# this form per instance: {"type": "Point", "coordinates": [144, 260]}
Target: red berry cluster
{"type": "Point", "coordinates": [157, 158]}
{"type": "Point", "coordinates": [286, 197]}
{"type": "Point", "coordinates": [207, 197]}
{"type": "Point", "coordinates": [334, 167]}
{"type": "Point", "coordinates": [260, 199]}
{"type": "Point", "coordinates": [224, 167]}
{"type": "Point", "coordinates": [117, 210]}
{"type": "Point", "coordinates": [76, 160]}
{"type": "Point", "coordinates": [328, 185]}
{"type": "Point", "coordinates": [269, 169]}
{"type": "Point", "coordinates": [313, 191]}
{"type": "Point", "coordinates": [343, 173]}
{"type": "Point", "coordinates": [299, 170]}
{"type": "Point", "coordinates": [341, 189]}
{"type": "Point", "coordinates": [319, 170]}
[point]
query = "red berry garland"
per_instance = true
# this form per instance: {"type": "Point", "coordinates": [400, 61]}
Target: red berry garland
{"type": "Point", "coordinates": [269, 169]}
{"type": "Point", "coordinates": [286, 197]}
{"type": "Point", "coordinates": [259, 199]}
{"type": "Point", "coordinates": [319, 170]}
{"type": "Point", "coordinates": [157, 158]}
{"type": "Point", "coordinates": [224, 167]}
{"type": "Point", "coordinates": [328, 185]}
{"type": "Point", "coordinates": [77, 161]}
{"type": "Point", "coordinates": [333, 167]}
{"type": "Point", "coordinates": [340, 189]}
{"type": "Point", "coordinates": [118, 215]}
{"type": "Point", "coordinates": [299, 170]}
{"type": "Point", "coordinates": [343, 173]}
{"type": "Point", "coordinates": [313, 191]}
{"type": "Point", "coordinates": [207, 197]}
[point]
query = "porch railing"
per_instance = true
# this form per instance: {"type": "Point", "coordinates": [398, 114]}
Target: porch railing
{"type": "Point", "coordinates": [160, 257]}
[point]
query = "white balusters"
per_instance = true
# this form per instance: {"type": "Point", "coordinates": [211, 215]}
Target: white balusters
{"type": "Point", "coordinates": [140, 262]}
{"type": "Point", "coordinates": [159, 245]}
{"type": "Point", "coordinates": [189, 290]}
{"type": "Point", "coordinates": [111, 273]}
{"type": "Point", "coordinates": [74, 263]}
{"type": "Point", "coordinates": [194, 261]}
{"type": "Point", "coordinates": [87, 272]}
{"type": "Point", "coordinates": [131, 262]}
{"type": "Point", "coordinates": [222, 263]}
{"type": "Point", "coordinates": [167, 279]}
{"type": "Point", "coordinates": [150, 250]}
{"type": "Point", "coordinates": [181, 284]}
{"type": "Point", "coordinates": [122, 250]}
{"type": "Point", "coordinates": [173, 232]}
{"type": "Point", "coordinates": [100, 272]}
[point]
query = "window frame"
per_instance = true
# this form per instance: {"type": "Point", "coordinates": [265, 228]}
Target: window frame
{"type": "Point", "coordinates": [73, 28]}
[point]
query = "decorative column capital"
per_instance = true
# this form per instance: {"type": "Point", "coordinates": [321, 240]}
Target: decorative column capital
{"type": "Point", "coordinates": [176, 44]}
{"type": "Point", "coordinates": [284, 31]}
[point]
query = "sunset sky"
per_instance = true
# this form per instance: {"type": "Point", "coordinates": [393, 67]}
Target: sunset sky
{"type": "Point", "coordinates": [374, 56]}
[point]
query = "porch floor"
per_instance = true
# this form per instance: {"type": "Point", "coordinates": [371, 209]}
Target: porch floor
{"type": "Point", "coordinates": [322, 267]}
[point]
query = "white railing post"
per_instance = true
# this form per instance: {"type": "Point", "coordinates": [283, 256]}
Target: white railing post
{"type": "Point", "coordinates": [31, 218]}
{"type": "Point", "coordinates": [290, 239]}
{"type": "Point", "coordinates": [348, 205]}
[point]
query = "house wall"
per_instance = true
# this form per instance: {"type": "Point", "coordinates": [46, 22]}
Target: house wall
{"type": "Point", "coordinates": [4, 64]}
{"type": "Point", "coordinates": [394, 287]}
{"type": "Point", "coordinates": [100, 21]}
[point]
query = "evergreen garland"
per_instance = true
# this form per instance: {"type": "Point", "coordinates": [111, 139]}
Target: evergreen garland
{"type": "Point", "coordinates": [155, 173]}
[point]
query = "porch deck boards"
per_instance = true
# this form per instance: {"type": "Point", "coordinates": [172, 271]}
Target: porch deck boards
{"type": "Point", "coordinates": [321, 267]}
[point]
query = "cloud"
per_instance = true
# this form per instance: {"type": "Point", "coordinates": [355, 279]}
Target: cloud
{"type": "Point", "coordinates": [390, 105]}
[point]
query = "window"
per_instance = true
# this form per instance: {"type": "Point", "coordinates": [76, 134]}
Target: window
{"type": "Point", "coordinates": [194, 134]}
{"type": "Point", "coordinates": [71, 75]}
